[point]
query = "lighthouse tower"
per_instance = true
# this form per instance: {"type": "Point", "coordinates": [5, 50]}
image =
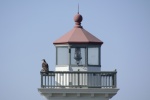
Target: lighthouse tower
{"type": "Point", "coordinates": [78, 74]}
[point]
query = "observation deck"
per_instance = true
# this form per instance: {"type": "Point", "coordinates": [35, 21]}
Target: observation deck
{"type": "Point", "coordinates": [68, 85]}
{"type": "Point", "coordinates": [78, 79]}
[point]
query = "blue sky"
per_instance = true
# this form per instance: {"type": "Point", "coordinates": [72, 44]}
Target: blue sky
{"type": "Point", "coordinates": [28, 29]}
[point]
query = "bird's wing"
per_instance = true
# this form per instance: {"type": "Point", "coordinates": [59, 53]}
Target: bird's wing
{"type": "Point", "coordinates": [47, 66]}
{"type": "Point", "coordinates": [43, 64]}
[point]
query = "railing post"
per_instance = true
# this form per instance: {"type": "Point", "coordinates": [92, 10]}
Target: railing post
{"type": "Point", "coordinates": [78, 78]}
{"type": "Point", "coordinates": [48, 80]}
{"type": "Point", "coordinates": [100, 80]}
{"type": "Point", "coordinates": [114, 80]}
{"type": "Point", "coordinates": [41, 79]}
{"type": "Point", "coordinates": [113, 86]}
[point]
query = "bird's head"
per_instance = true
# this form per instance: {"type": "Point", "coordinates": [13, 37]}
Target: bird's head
{"type": "Point", "coordinates": [43, 60]}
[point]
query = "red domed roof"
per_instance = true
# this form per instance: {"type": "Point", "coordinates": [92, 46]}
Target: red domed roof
{"type": "Point", "coordinates": [78, 35]}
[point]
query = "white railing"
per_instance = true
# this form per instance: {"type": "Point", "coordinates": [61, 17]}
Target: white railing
{"type": "Point", "coordinates": [78, 79]}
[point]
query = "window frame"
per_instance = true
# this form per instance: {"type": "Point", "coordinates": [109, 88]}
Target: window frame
{"type": "Point", "coordinates": [75, 65]}
{"type": "Point", "coordinates": [57, 55]}
{"type": "Point", "coordinates": [99, 55]}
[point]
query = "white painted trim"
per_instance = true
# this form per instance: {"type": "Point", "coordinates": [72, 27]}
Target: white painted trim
{"type": "Point", "coordinates": [78, 93]}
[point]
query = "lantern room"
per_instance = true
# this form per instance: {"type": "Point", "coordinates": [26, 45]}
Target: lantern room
{"type": "Point", "coordinates": [78, 50]}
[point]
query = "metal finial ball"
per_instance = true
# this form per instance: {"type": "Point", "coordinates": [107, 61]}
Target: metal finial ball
{"type": "Point", "coordinates": [78, 18]}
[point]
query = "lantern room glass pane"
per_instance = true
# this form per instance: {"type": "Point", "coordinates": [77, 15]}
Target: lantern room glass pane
{"type": "Point", "coordinates": [78, 56]}
{"type": "Point", "coordinates": [93, 56]}
{"type": "Point", "coordinates": [62, 56]}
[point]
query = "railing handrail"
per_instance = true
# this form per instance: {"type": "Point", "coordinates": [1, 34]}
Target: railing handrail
{"type": "Point", "coordinates": [80, 72]}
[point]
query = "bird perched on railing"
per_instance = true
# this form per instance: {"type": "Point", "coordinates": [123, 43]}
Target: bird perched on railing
{"type": "Point", "coordinates": [45, 67]}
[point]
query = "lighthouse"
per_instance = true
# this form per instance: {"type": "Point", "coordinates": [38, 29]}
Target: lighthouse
{"type": "Point", "coordinates": [78, 74]}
